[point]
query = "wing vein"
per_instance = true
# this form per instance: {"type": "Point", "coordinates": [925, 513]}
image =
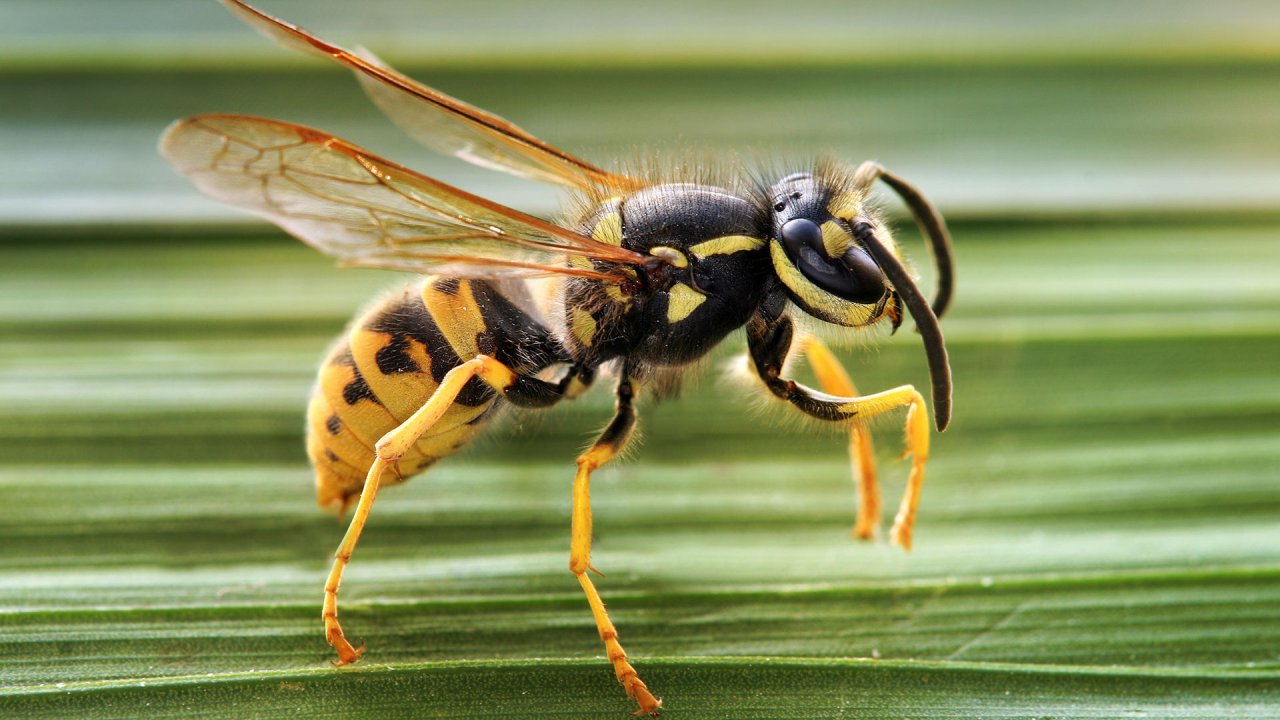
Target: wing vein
{"type": "Point", "coordinates": [363, 209]}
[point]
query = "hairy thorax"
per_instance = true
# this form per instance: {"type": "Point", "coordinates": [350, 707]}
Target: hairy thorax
{"type": "Point", "coordinates": [713, 275]}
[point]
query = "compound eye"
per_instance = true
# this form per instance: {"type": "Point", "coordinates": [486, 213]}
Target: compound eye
{"type": "Point", "coordinates": [801, 233]}
{"type": "Point", "coordinates": [855, 276]}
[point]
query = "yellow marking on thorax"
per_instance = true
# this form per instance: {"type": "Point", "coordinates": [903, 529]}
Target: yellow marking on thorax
{"type": "Point", "coordinates": [583, 326]}
{"type": "Point", "coordinates": [726, 245]}
{"type": "Point", "coordinates": [615, 294]}
{"type": "Point", "coordinates": [608, 230]}
{"type": "Point", "coordinates": [835, 239]}
{"type": "Point", "coordinates": [682, 301]}
{"type": "Point", "coordinates": [614, 291]}
{"type": "Point", "coordinates": [458, 317]}
{"type": "Point", "coordinates": [670, 254]}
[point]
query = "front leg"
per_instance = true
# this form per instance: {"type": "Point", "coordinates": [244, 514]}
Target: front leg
{"type": "Point", "coordinates": [834, 380]}
{"type": "Point", "coordinates": [769, 342]}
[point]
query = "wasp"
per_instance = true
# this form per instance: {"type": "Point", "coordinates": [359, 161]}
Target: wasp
{"type": "Point", "coordinates": [641, 281]}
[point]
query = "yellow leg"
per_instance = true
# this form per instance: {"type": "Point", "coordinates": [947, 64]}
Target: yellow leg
{"type": "Point", "coordinates": [389, 450]}
{"type": "Point", "coordinates": [769, 339]}
{"type": "Point", "coordinates": [834, 380]}
{"type": "Point", "coordinates": [917, 438]}
{"type": "Point", "coordinates": [607, 447]}
{"type": "Point", "coordinates": [917, 447]}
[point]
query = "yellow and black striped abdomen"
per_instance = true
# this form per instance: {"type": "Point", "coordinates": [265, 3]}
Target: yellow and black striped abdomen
{"type": "Point", "coordinates": [390, 362]}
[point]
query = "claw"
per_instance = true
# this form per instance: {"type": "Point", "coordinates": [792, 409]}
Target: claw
{"type": "Point", "coordinates": [352, 658]}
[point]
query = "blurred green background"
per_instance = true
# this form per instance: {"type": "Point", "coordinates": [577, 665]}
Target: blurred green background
{"type": "Point", "coordinates": [1100, 531]}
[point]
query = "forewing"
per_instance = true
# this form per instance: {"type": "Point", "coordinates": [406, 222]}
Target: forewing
{"type": "Point", "coordinates": [366, 210]}
{"type": "Point", "coordinates": [443, 123]}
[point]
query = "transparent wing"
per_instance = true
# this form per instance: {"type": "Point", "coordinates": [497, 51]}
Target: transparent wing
{"type": "Point", "coordinates": [366, 210]}
{"type": "Point", "coordinates": [442, 123]}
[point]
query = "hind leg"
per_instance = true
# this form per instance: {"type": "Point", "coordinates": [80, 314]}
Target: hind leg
{"type": "Point", "coordinates": [519, 389]}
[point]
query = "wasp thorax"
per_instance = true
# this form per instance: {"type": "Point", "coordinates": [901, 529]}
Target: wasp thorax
{"type": "Point", "coordinates": [826, 272]}
{"type": "Point", "coordinates": [709, 274]}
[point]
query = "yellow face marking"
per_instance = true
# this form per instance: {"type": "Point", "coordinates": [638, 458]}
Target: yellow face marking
{"type": "Point", "coordinates": [836, 309]}
{"type": "Point", "coordinates": [726, 245]}
{"type": "Point", "coordinates": [579, 262]}
{"type": "Point", "coordinates": [835, 238]}
{"type": "Point", "coordinates": [682, 301]}
{"type": "Point", "coordinates": [608, 230]}
{"type": "Point", "coordinates": [670, 254]}
{"type": "Point", "coordinates": [846, 205]}
{"type": "Point", "coordinates": [582, 325]}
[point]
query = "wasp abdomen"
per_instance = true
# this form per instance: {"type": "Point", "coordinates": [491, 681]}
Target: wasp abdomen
{"type": "Point", "coordinates": [391, 361]}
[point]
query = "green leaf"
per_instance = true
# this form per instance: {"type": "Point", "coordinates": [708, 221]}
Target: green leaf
{"type": "Point", "coordinates": [1098, 534]}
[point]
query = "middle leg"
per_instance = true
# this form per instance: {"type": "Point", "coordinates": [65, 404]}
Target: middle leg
{"type": "Point", "coordinates": [608, 446]}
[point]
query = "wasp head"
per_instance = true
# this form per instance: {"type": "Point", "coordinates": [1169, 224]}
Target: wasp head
{"type": "Point", "coordinates": [841, 266]}
{"type": "Point", "coordinates": [818, 258]}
